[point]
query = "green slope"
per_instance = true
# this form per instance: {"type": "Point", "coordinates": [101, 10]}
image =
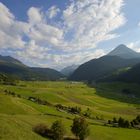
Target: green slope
{"type": "Point", "coordinates": [19, 115]}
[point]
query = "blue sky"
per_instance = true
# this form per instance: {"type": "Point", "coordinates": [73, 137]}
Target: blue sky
{"type": "Point", "coordinates": [19, 7]}
{"type": "Point", "coordinates": [59, 33]}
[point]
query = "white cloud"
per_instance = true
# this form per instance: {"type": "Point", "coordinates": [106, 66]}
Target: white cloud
{"type": "Point", "coordinates": [43, 33]}
{"type": "Point", "coordinates": [11, 31]}
{"type": "Point", "coordinates": [33, 51]}
{"type": "Point", "coordinates": [73, 39]}
{"type": "Point", "coordinates": [53, 11]}
{"type": "Point", "coordinates": [93, 21]}
{"type": "Point", "coordinates": [40, 57]}
{"type": "Point", "coordinates": [135, 46]}
{"type": "Point", "coordinates": [34, 15]}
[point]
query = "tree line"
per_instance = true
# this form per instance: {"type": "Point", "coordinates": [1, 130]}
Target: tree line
{"type": "Point", "coordinates": [80, 128]}
{"type": "Point", "coordinates": [121, 122]}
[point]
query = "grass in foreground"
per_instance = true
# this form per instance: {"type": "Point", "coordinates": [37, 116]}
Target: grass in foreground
{"type": "Point", "coordinates": [19, 115]}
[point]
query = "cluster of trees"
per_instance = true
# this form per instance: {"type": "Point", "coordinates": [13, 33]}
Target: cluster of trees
{"type": "Point", "coordinates": [39, 101]}
{"type": "Point", "coordinates": [7, 92]}
{"type": "Point", "coordinates": [75, 110]}
{"type": "Point", "coordinates": [56, 132]}
{"type": "Point", "coordinates": [121, 122]}
{"type": "Point", "coordinates": [136, 122]}
{"type": "Point", "coordinates": [79, 128]}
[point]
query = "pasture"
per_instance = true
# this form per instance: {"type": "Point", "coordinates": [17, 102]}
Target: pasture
{"type": "Point", "coordinates": [18, 114]}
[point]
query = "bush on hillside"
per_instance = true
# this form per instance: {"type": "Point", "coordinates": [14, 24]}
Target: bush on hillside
{"type": "Point", "coordinates": [136, 121]}
{"type": "Point", "coordinates": [120, 123]}
{"type": "Point", "coordinates": [80, 128]}
{"type": "Point", "coordinates": [42, 130]}
{"type": "Point", "coordinates": [87, 113]}
{"type": "Point", "coordinates": [57, 130]}
{"type": "Point", "coordinates": [73, 110]}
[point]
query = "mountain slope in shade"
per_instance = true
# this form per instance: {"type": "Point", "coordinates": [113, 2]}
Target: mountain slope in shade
{"type": "Point", "coordinates": [98, 68]}
{"type": "Point", "coordinates": [17, 69]}
{"type": "Point", "coordinates": [132, 75]}
{"type": "Point", "coordinates": [69, 70]}
{"type": "Point", "coordinates": [46, 73]}
{"type": "Point", "coordinates": [124, 52]}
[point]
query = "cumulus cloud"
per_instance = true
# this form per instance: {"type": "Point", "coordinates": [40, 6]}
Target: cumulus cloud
{"type": "Point", "coordinates": [73, 38]}
{"type": "Point", "coordinates": [53, 11]}
{"type": "Point", "coordinates": [35, 15]}
{"type": "Point", "coordinates": [135, 46]}
{"type": "Point", "coordinates": [11, 31]}
{"type": "Point", "coordinates": [92, 21]}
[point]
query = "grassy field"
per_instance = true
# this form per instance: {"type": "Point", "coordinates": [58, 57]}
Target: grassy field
{"type": "Point", "coordinates": [19, 115]}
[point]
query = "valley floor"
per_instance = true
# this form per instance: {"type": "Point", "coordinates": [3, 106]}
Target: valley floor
{"type": "Point", "coordinates": [18, 114]}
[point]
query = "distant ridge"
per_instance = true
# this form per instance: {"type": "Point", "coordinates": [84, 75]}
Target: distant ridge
{"type": "Point", "coordinates": [9, 59]}
{"type": "Point", "coordinates": [13, 67]}
{"type": "Point", "coordinates": [69, 70]}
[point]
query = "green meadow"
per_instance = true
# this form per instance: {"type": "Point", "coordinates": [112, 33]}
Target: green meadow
{"type": "Point", "coordinates": [18, 115]}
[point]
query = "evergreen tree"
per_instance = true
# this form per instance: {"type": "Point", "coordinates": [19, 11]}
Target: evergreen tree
{"type": "Point", "coordinates": [115, 120]}
{"type": "Point", "coordinates": [138, 118]}
{"type": "Point", "coordinates": [121, 122]}
{"type": "Point", "coordinates": [126, 124]}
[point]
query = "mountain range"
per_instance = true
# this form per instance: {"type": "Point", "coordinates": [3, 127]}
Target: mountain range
{"type": "Point", "coordinates": [96, 69]}
{"type": "Point", "coordinates": [121, 64]}
{"type": "Point", "coordinates": [15, 68]}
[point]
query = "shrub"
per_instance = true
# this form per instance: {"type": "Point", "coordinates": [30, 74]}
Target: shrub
{"type": "Point", "coordinates": [87, 113]}
{"type": "Point", "coordinates": [75, 110]}
{"type": "Point", "coordinates": [135, 121]}
{"type": "Point", "coordinates": [132, 124]}
{"type": "Point", "coordinates": [80, 128]}
{"type": "Point", "coordinates": [58, 130]}
{"type": "Point", "coordinates": [42, 130]}
{"type": "Point", "coordinates": [18, 95]}
{"type": "Point", "coordinates": [109, 122]}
